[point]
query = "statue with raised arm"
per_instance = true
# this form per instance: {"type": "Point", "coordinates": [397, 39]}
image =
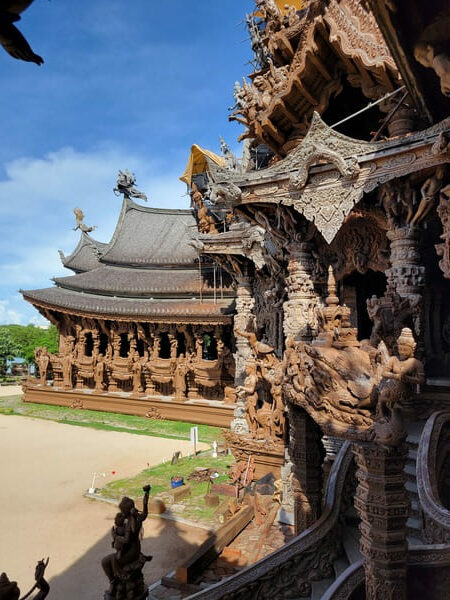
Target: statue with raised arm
{"type": "Point", "coordinates": [9, 590]}
{"type": "Point", "coordinates": [124, 567]}
{"type": "Point", "coordinates": [125, 186]}
{"type": "Point", "coordinates": [79, 216]}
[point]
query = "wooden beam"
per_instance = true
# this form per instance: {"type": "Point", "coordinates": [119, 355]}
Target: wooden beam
{"type": "Point", "coordinates": [291, 116]}
{"type": "Point", "coordinates": [273, 131]}
{"type": "Point", "coordinates": [320, 66]}
{"type": "Point", "coordinates": [211, 549]}
{"type": "Point", "coordinates": [304, 92]}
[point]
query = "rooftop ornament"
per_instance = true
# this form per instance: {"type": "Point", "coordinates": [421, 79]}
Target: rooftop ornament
{"type": "Point", "coordinates": [79, 215]}
{"type": "Point", "coordinates": [125, 185]}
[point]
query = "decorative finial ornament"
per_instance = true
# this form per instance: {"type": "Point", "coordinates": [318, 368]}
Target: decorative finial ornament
{"type": "Point", "coordinates": [125, 186]}
{"type": "Point", "coordinates": [331, 299]}
{"type": "Point", "coordinates": [79, 215]}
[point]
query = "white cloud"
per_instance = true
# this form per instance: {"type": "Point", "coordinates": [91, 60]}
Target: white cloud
{"type": "Point", "coordinates": [36, 219]}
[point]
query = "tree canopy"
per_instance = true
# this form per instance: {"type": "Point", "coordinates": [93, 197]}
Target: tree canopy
{"type": "Point", "coordinates": [25, 338]}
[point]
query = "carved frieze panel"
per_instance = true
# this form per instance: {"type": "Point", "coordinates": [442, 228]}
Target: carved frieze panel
{"type": "Point", "coordinates": [354, 167]}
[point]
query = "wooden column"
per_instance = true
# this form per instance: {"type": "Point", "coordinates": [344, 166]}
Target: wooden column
{"type": "Point", "coordinates": [383, 506]}
{"type": "Point", "coordinates": [300, 316]}
{"type": "Point", "coordinates": [306, 452]}
{"type": "Point", "coordinates": [243, 319]}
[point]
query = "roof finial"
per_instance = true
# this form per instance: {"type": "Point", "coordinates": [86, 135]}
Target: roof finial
{"type": "Point", "coordinates": [79, 215]}
{"type": "Point", "coordinates": [125, 186]}
{"type": "Point", "coordinates": [331, 299]}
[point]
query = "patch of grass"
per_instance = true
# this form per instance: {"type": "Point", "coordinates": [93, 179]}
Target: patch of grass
{"type": "Point", "coordinates": [159, 478]}
{"type": "Point", "coordinates": [13, 405]}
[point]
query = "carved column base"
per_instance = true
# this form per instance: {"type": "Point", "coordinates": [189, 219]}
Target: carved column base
{"type": "Point", "coordinates": [306, 453]}
{"type": "Point", "coordinates": [383, 506]}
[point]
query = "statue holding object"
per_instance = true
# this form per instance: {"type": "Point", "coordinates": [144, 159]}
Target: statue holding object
{"type": "Point", "coordinates": [124, 567]}
{"type": "Point", "coordinates": [9, 590]}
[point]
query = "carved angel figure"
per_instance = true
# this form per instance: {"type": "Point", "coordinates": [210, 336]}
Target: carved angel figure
{"type": "Point", "coordinates": [79, 216]}
{"type": "Point", "coordinates": [125, 186]}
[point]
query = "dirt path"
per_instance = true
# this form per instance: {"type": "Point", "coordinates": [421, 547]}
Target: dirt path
{"type": "Point", "coordinates": [45, 468]}
{"type": "Point", "coordinates": [10, 390]}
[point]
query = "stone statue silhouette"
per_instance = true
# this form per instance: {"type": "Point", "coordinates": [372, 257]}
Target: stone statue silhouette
{"type": "Point", "coordinates": [9, 590]}
{"type": "Point", "coordinates": [124, 567]}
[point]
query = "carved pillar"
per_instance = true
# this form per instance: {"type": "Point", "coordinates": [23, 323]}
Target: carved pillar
{"type": "Point", "coordinates": [406, 276]}
{"type": "Point", "coordinates": [383, 506]}
{"type": "Point", "coordinates": [300, 318]}
{"type": "Point", "coordinates": [306, 453]}
{"type": "Point", "coordinates": [244, 305]}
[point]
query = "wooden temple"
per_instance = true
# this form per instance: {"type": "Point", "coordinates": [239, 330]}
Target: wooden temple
{"type": "Point", "coordinates": [144, 323]}
{"type": "Point", "coordinates": [333, 327]}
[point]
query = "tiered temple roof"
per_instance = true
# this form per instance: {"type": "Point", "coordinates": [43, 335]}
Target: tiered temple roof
{"type": "Point", "coordinates": [150, 270]}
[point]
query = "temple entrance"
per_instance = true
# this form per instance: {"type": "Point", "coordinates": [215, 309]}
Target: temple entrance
{"type": "Point", "coordinates": [356, 288]}
{"type": "Point", "coordinates": [209, 347]}
{"type": "Point", "coordinates": [181, 344]}
{"type": "Point", "coordinates": [164, 351]}
{"type": "Point", "coordinates": [103, 344]}
{"type": "Point", "coordinates": [124, 345]}
{"type": "Point", "coordinates": [88, 344]}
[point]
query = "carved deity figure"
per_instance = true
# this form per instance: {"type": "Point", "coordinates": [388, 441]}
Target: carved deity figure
{"type": "Point", "coordinates": [400, 375]}
{"type": "Point", "coordinates": [99, 375]}
{"type": "Point", "coordinates": [9, 590]}
{"type": "Point", "coordinates": [206, 223]}
{"type": "Point", "coordinates": [260, 350]}
{"type": "Point", "coordinates": [179, 378]}
{"type": "Point", "coordinates": [67, 370]}
{"type": "Point", "coordinates": [438, 61]}
{"type": "Point", "coordinates": [42, 359]}
{"type": "Point", "coordinates": [429, 192]}
{"type": "Point", "coordinates": [79, 216]}
{"type": "Point", "coordinates": [248, 391]}
{"type": "Point", "coordinates": [125, 186]}
{"type": "Point", "coordinates": [136, 369]}
{"type": "Point", "coordinates": [124, 567]}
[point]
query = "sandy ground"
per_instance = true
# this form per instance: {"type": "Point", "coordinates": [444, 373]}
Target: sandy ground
{"type": "Point", "coordinates": [10, 390]}
{"type": "Point", "coordinates": [45, 468]}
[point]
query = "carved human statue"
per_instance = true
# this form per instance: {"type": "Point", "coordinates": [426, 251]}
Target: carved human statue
{"type": "Point", "coordinates": [9, 590]}
{"type": "Point", "coordinates": [99, 374]}
{"type": "Point", "coordinates": [124, 566]}
{"type": "Point", "coordinates": [400, 375]}
{"type": "Point", "coordinates": [136, 369]}
{"type": "Point", "coordinates": [179, 377]}
{"type": "Point", "coordinates": [429, 194]}
{"type": "Point", "coordinates": [67, 370]}
{"type": "Point", "coordinates": [42, 359]}
{"type": "Point", "coordinates": [248, 391]}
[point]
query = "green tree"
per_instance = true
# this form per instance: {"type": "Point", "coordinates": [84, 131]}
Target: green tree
{"type": "Point", "coordinates": [9, 349]}
{"type": "Point", "coordinates": [29, 337]}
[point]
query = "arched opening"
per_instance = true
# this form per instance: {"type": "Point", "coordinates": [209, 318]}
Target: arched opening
{"type": "Point", "coordinates": [88, 344]}
{"type": "Point", "coordinates": [347, 103]}
{"type": "Point", "coordinates": [103, 344]}
{"type": "Point", "coordinates": [356, 289]}
{"type": "Point", "coordinates": [181, 343]}
{"type": "Point", "coordinates": [164, 351]}
{"type": "Point", "coordinates": [140, 348]}
{"type": "Point", "coordinates": [124, 345]}
{"type": "Point", "coordinates": [209, 347]}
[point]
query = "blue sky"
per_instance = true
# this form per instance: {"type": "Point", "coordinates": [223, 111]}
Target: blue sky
{"type": "Point", "coordinates": [124, 85]}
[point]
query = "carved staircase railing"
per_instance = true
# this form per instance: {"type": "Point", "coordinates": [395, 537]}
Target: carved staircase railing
{"type": "Point", "coordinates": [289, 572]}
{"type": "Point", "coordinates": [352, 578]}
{"type": "Point", "coordinates": [436, 516]}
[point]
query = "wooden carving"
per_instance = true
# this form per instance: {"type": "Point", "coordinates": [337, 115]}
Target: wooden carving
{"type": "Point", "coordinates": [443, 249]}
{"type": "Point", "coordinates": [353, 389]}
